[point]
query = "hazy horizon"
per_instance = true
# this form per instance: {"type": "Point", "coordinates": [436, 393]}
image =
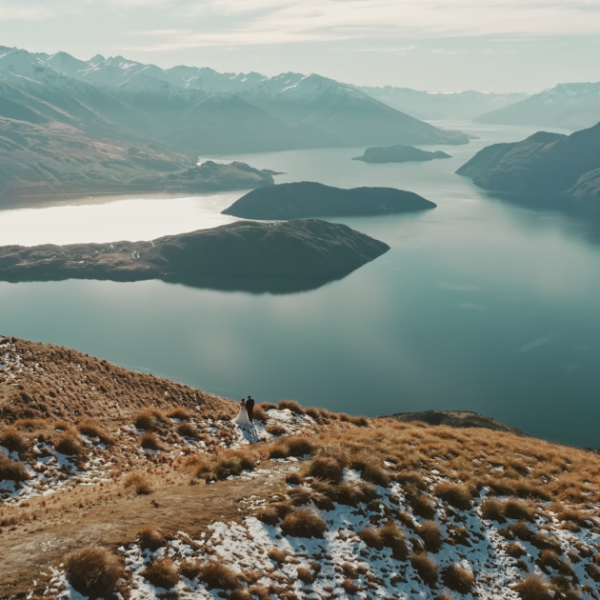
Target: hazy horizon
{"type": "Point", "coordinates": [448, 47]}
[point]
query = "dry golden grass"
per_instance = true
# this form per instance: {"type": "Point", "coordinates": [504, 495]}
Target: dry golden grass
{"type": "Point", "coordinates": [138, 483]}
{"type": "Point", "coordinates": [306, 575]}
{"type": "Point", "coordinates": [149, 441]}
{"type": "Point", "coordinates": [93, 429]}
{"type": "Point", "coordinates": [392, 537]}
{"type": "Point", "coordinates": [277, 555]}
{"type": "Point", "coordinates": [93, 572]}
{"type": "Point", "coordinates": [304, 522]}
{"type": "Point", "coordinates": [291, 405]}
{"type": "Point", "coordinates": [180, 413]}
{"type": "Point", "coordinates": [226, 463]}
{"type": "Point", "coordinates": [350, 587]}
{"type": "Point", "coordinates": [533, 587]}
{"type": "Point", "coordinates": [370, 536]}
{"type": "Point", "coordinates": [218, 575]}
{"type": "Point", "coordinates": [161, 573]}
{"type": "Point", "coordinates": [458, 579]}
{"type": "Point", "coordinates": [458, 496]}
{"type": "Point", "coordinates": [188, 430]}
{"type": "Point", "coordinates": [299, 445]}
{"type": "Point", "coordinates": [68, 444]}
{"type": "Point", "coordinates": [151, 538]}
{"type": "Point", "coordinates": [149, 419]}
{"type": "Point", "coordinates": [268, 515]}
{"type": "Point", "coordinates": [258, 414]}
{"type": "Point", "coordinates": [517, 509]}
{"type": "Point", "coordinates": [277, 430]}
{"type": "Point", "coordinates": [376, 475]}
{"type": "Point", "coordinates": [426, 568]}
{"type": "Point", "coordinates": [294, 478]}
{"type": "Point", "coordinates": [12, 440]}
{"type": "Point", "coordinates": [493, 510]}
{"type": "Point", "coordinates": [431, 534]}
{"type": "Point", "coordinates": [326, 469]}
{"type": "Point", "coordinates": [190, 568]}
{"type": "Point", "coordinates": [515, 550]}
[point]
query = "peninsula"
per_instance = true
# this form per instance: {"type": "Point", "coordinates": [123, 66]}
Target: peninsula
{"type": "Point", "coordinates": [300, 249]}
{"type": "Point", "coordinates": [399, 154]}
{"type": "Point", "coordinates": [308, 199]}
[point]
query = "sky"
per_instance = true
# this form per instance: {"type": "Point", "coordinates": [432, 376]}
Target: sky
{"type": "Point", "coordinates": [436, 45]}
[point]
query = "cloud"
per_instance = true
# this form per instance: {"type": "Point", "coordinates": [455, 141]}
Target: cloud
{"type": "Point", "coordinates": [547, 339]}
{"type": "Point", "coordinates": [458, 287]}
{"type": "Point", "coordinates": [447, 52]}
{"type": "Point", "coordinates": [12, 11]}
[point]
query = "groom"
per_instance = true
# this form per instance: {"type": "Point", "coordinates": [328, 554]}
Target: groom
{"type": "Point", "coordinates": [250, 407]}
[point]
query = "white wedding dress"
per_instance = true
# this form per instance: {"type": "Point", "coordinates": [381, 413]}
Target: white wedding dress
{"type": "Point", "coordinates": [242, 417]}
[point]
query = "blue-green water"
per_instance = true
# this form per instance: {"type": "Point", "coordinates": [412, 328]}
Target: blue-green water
{"type": "Point", "coordinates": [479, 305]}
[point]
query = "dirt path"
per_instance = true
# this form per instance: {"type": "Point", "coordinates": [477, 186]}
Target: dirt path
{"type": "Point", "coordinates": [28, 552]}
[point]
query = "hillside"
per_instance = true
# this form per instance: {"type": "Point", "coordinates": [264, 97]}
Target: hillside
{"type": "Point", "coordinates": [125, 481]}
{"type": "Point", "coordinates": [568, 105]}
{"type": "Point", "coordinates": [546, 163]}
{"type": "Point", "coordinates": [307, 199]}
{"type": "Point", "coordinates": [298, 249]}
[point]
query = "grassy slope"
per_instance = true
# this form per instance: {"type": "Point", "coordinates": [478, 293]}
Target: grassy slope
{"type": "Point", "coordinates": [408, 510]}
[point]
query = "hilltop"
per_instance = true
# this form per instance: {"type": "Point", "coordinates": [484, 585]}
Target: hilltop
{"type": "Point", "coordinates": [118, 481]}
{"type": "Point", "coordinates": [399, 154]}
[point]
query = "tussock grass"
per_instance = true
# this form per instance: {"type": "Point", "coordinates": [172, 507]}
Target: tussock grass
{"type": "Point", "coordinates": [304, 522]}
{"type": "Point", "coordinates": [95, 430]}
{"type": "Point", "coordinates": [139, 483]}
{"type": "Point", "coordinates": [431, 534]}
{"type": "Point", "coordinates": [458, 496]}
{"type": "Point", "coordinates": [188, 430]}
{"type": "Point", "coordinates": [149, 419]}
{"type": "Point", "coordinates": [458, 579]}
{"type": "Point", "coordinates": [299, 445]}
{"type": "Point", "coordinates": [392, 537]}
{"type": "Point", "coordinates": [12, 440]}
{"type": "Point", "coordinates": [593, 571]}
{"type": "Point", "coordinates": [422, 505]}
{"type": "Point", "coordinates": [493, 510]}
{"type": "Point", "coordinates": [306, 575]}
{"type": "Point", "coordinates": [335, 451]}
{"type": "Point", "coordinates": [277, 555]}
{"type": "Point", "coordinates": [515, 550]}
{"type": "Point", "coordinates": [93, 572]}
{"type": "Point", "coordinates": [326, 469]}
{"type": "Point", "coordinates": [190, 568]}
{"type": "Point", "coordinates": [349, 587]}
{"type": "Point", "coordinates": [370, 536]}
{"type": "Point", "coordinates": [151, 538]}
{"type": "Point", "coordinates": [180, 413]}
{"type": "Point", "coordinates": [258, 414]}
{"type": "Point", "coordinates": [294, 478]}
{"type": "Point", "coordinates": [149, 441]}
{"type": "Point", "coordinates": [277, 430]}
{"type": "Point", "coordinates": [533, 587]}
{"type": "Point", "coordinates": [426, 568]}
{"type": "Point", "coordinates": [161, 573]}
{"type": "Point", "coordinates": [376, 475]}
{"type": "Point", "coordinates": [31, 424]}
{"type": "Point", "coordinates": [68, 444]}
{"type": "Point", "coordinates": [516, 509]}
{"type": "Point", "coordinates": [217, 575]}
{"type": "Point", "coordinates": [226, 463]}
{"type": "Point", "coordinates": [290, 405]}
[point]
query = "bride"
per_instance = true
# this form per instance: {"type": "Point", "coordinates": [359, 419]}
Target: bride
{"type": "Point", "coordinates": [242, 417]}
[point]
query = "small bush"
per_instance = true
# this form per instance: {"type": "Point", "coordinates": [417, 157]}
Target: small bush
{"type": "Point", "coordinates": [458, 579]}
{"type": "Point", "coordinates": [314, 413]}
{"type": "Point", "coordinates": [12, 440]}
{"type": "Point", "coordinates": [455, 495]}
{"type": "Point", "coordinates": [376, 475]}
{"type": "Point", "coordinates": [335, 451]}
{"type": "Point", "coordinates": [151, 538]}
{"type": "Point", "coordinates": [258, 414]}
{"type": "Point", "coordinates": [149, 441]}
{"type": "Point", "coordinates": [93, 572]}
{"type": "Point", "coordinates": [326, 469]}
{"type": "Point", "coordinates": [349, 571]}
{"type": "Point", "coordinates": [217, 575]}
{"type": "Point", "coordinates": [371, 537]}
{"type": "Point", "coordinates": [161, 573]}
{"type": "Point", "coordinates": [392, 537]}
{"type": "Point", "coordinates": [12, 470]}
{"type": "Point", "coordinates": [426, 568]}
{"type": "Point", "coordinates": [188, 430]}
{"type": "Point", "coordinates": [277, 430]}
{"type": "Point", "coordinates": [294, 478]}
{"type": "Point", "coordinates": [533, 588]}
{"type": "Point", "coordinates": [139, 483]}
{"type": "Point", "coordinates": [593, 572]}
{"type": "Point", "coordinates": [493, 510]}
{"type": "Point", "coordinates": [431, 534]}
{"type": "Point", "coordinates": [95, 430]}
{"type": "Point", "coordinates": [543, 542]}
{"type": "Point", "coordinates": [304, 522]}
{"type": "Point", "coordinates": [359, 421]}
{"type": "Point", "coordinates": [68, 444]}
{"type": "Point", "coordinates": [299, 445]}
{"type": "Point", "coordinates": [180, 413]}
{"type": "Point", "coordinates": [291, 405]}
{"type": "Point", "coordinates": [268, 515]}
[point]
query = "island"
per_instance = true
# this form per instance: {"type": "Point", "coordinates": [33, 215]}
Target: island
{"type": "Point", "coordinates": [308, 199]}
{"type": "Point", "coordinates": [301, 249]}
{"type": "Point", "coordinates": [544, 168]}
{"type": "Point", "coordinates": [399, 154]}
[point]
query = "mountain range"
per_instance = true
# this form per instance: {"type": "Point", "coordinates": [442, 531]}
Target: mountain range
{"type": "Point", "coordinates": [568, 105]}
{"type": "Point", "coordinates": [437, 105]}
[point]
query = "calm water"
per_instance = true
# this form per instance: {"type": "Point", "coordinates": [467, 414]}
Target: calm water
{"type": "Point", "coordinates": [479, 305]}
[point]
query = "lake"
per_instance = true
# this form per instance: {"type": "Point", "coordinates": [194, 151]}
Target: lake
{"type": "Point", "coordinates": [479, 305]}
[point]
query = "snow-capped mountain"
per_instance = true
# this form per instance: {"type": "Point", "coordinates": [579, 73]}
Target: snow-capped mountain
{"type": "Point", "coordinates": [568, 105]}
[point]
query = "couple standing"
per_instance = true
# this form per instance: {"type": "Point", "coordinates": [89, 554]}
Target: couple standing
{"type": "Point", "coordinates": [245, 415]}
